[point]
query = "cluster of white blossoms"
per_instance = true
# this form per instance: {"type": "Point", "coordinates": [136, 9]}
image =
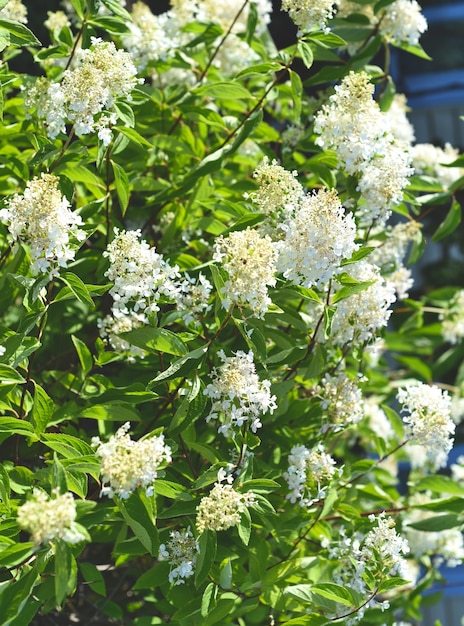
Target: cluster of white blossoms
{"type": "Point", "coordinates": [250, 262]}
{"type": "Point", "coordinates": [127, 464]}
{"type": "Point", "coordinates": [353, 125]}
{"type": "Point", "coordinates": [400, 125]}
{"type": "Point", "coordinates": [193, 298]}
{"type": "Point", "coordinates": [237, 394]}
{"type": "Point", "coordinates": [402, 22]}
{"type": "Point", "coordinates": [316, 239]}
{"type": "Point", "coordinates": [452, 319]}
{"type": "Point", "coordinates": [309, 14]}
{"type": "Point", "coordinates": [56, 20]}
{"type": "Point", "coordinates": [390, 255]}
{"type": "Point", "coordinates": [277, 188]}
{"type": "Point", "coordinates": [379, 552]}
{"type": "Point", "coordinates": [48, 519]}
{"type": "Point", "coordinates": [222, 508]}
{"type": "Point", "coordinates": [457, 471]}
{"type": "Point", "coordinates": [377, 418]}
{"type": "Point", "coordinates": [428, 423]}
{"type": "Point", "coordinates": [181, 550]}
{"type": "Point", "coordinates": [446, 545]}
{"type": "Point", "coordinates": [41, 217]}
{"type": "Point", "coordinates": [359, 316]}
{"type": "Point", "coordinates": [433, 161]}
{"type": "Point", "coordinates": [15, 11]}
{"type": "Point", "coordinates": [140, 275]}
{"type": "Point", "coordinates": [157, 37]}
{"type": "Point", "coordinates": [309, 474]}
{"type": "Point", "coordinates": [87, 92]}
{"type": "Point", "coordinates": [111, 327]}
{"type": "Point", "coordinates": [342, 400]}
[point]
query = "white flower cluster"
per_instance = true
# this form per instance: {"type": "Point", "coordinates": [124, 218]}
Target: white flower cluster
{"type": "Point", "coordinates": [316, 239]}
{"type": "Point", "coordinates": [390, 255]}
{"type": "Point", "coordinates": [277, 188]}
{"type": "Point", "coordinates": [111, 327]}
{"type": "Point", "coordinates": [192, 300]}
{"type": "Point", "coordinates": [47, 519]}
{"type": "Point", "coordinates": [342, 400]}
{"type": "Point", "coordinates": [56, 20]}
{"type": "Point", "coordinates": [379, 552]}
{"type": "Point", "coordinates": [353, 125]}
{"type": "Point", "coordinates": [41, 217]}
{"type": "Point", "coordinates": [140, 275]}
{"type": "Point", "coordinates": [181, 551]}
{"type": "Point", "coordinates": [452, 319]}
{"type": "Point", "coordinates": [237, 394]}
{"type": "Point", "coordinates": [457, 471]}
{"type": "Point", "coordinates": [359, 316]}
{"type": "Point", "coordinates": [127, 464]}
{"type": "Point", "coordinates": [309, 14]}
{"type": "Point", "coordinates": [250, 262]}
{"type": "Point", "coordinates": [400, 22]}
{"type": "Point", "coordinates": [309, 474]}
{"type": "Point", "coordinates": [86, 94]}
{"type": "Point", "coordinates": [447, 545]}
{"type": "Point", "coordinates": [222, 508]}
{"type": "Point", "coordinates": [157, 37]}
{"type": "Point", "coordinates": [403, 22]}
{"type": "Point", "coordinates": [428, 423]}
{"type": "Point", "coordinates": [400, 125]}
{"type": "Point", "coordinates": [15, 11]}
{"type": "Point", "coordinates": [432, 161]}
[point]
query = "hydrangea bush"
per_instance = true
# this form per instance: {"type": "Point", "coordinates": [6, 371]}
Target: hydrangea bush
{"type": "Point", "coordinates": [222, 398]}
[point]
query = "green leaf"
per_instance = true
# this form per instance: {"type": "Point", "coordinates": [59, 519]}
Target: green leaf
{"type": "Point", "coordinates": [115, 7]}
{"type": "Point", "coordinates": [15, 426]}
{"type": "Point", "coordinates": [93, 577]}
{"type": "Point", "coordinates": [134, 136]}
{"type": "Point", "coordinates": [16, 554]}
{"type": "Point", "coordinates": [59, 481]}
{"type": "Point", "coordinates": [450, 223]}
{"type": "Point", "coordinates": [19, 34]}
{"type": "Point", "coordinates": [110, 412]}
{"type": "Point", "coordinates": [439, 484]}
{"type": "Point", "coordinates": [141, 522]}
{"type": "Point", "coordinates": [182, 367]}
{"type": "Point", "coordinates": [4, 487]}
{"type": "Point", "coordinates": [208, 599]}
{"type": "Point", "coordinates": [223, 91]}
{"type": "Point", "coordinates": [437, 523]}
{"type": "Point", "coordinates": [78, 288]}
{"type": "Point", "coordinates": [305, 52]}
{"type": "Point", "coordinates": [68, 446]}
{"type": "Point", "coordinates": [84, 354]}
{"type": "Point", "coordinates": [42, 409]}
{"type": "Point", "coordinates": [297, 90]}
{"type": "Point", "coordinates": [121, 182]}
{"type": "Point", "coordinates": [63, 565]}
{"type": "Point", "coordinates": [8, 375]}
{"type": "Point", "coordinates": [244, 527]}
{"type": "Point", "coordinates": [225, 576]}
{"type": "Point", "coordinates": [156, 340]}
{"type": "Point", "coordinates": [208, 545]}
{"type": "Point", "coordinates": [349, 290]}
{"type": "Point", "coordinates": [388, 94]}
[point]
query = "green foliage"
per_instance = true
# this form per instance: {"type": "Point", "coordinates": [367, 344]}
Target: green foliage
{"type": "Point", "coordinates": [196, 513]}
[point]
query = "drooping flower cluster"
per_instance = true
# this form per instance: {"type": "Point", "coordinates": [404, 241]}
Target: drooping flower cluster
{"type": "Point", "coordinates": [359, 316]}
{"type": "Point", "coordinates": [380, 552]}
{"type": "Point", "coordinates": [353, 125]}
{"type": "Point", "coordinates": [390, 255]}
{"type": "Point", "coordinates": [86, 94]}
{"type": "Point", "coordinates": [222, 508]}
{"type": "Point", "coordinates": [452, 319]}
{"type": "Point", "coordinates": [250, 262]}
{"type": "Point", "coordinates": [127, 464]}
{"type": "Point", "coordinates": [15, 11]}
{"type": "Point", "coordinates": [112, 327]}
{"type": "Point", "coordinates": [341, 400]}
{"type": "Point", "coordinates": [277, 188]}
{"type": "Point", "coordinates": [403, 22]}
{"type": "Point", "coordinates": [237, 394]}
{"type": "Point", "coordinates": [140, 275]}
{"type": "Point", "coordinates": [41, 217]}
{"type": "Point", "coordinates": [445, 545]}
{"type": "Point", "coordinates": [48, 519]}
{"type": "Point", "coordinates": [433, 161]}
{"type": "Point", "coordinates": [309, 14]}
{"type": "Point", "coordinates": [317, 238]}
{"type": "Point", "coordinates": [309, 474]}
{"type": "Point", "coordinates": [181, 550]}
{"type": "Point", "coordinates": [428, 422]}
